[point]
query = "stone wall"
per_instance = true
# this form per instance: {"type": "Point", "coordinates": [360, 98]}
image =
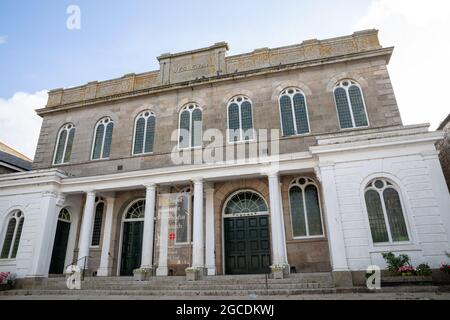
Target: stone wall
{"type": "Point", "coordinates": [444, 150]}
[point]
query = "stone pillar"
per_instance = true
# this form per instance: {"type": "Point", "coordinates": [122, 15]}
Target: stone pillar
{"type": "Point", "coordinates": [198, 260]}
{"type": "Point", "coordinates": [149, 227]}
{"type": "Point", "coordinates": [86, 230]}
{"type": "Point", "coordinates": [210, 260]}
{"type": "Point", "coordinates": [105, 261]}
{"type": "Point", "coordinates": [163, 221]}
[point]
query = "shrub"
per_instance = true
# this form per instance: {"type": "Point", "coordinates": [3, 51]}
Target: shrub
{"type": "Point", "coordinates": [423, 270]}
{"type": "Point", "coordinates": [395, 263]}
{"type": "Point", "coordinates": [445, 268]}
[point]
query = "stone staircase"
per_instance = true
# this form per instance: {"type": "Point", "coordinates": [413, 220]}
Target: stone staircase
{"type": "Point", "coordinates": [242, 285]}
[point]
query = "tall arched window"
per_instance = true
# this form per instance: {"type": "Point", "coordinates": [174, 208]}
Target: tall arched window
{"type": "Point", "coordinates": [350, 104]}
{"type": "Point", "coordinates": [183, 220]}
{"type": "Point", "coordinates": [190, 127]}
{"type": "Point", "coordinates": [240, 119]}
{"type": "Point", "coordinates": [64, 144]}
{"type": "Point", "coordinates": [98, 220]}
{"type": "Point", "coordinates": [293, 112]}
{"type": "Point", "coordinates": [384, 207]}
{"type": "Point", "coordinates": [306, 217]}
{"type": "Point", "coordinates": [144, 132]}
{"type": "Point", "coordinates": [12, 235]}
{"type": "Point", "coordinates": [102, 139]}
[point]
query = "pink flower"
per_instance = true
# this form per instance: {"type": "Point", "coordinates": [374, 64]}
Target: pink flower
{"type": "Point", "coordinates": [405, 269]}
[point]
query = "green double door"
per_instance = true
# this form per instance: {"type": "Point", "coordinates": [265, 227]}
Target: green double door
{"type": "Point", "coordinates": [247, 245]}
{"type": "Point", "coordinates": [59, 248]}
{"type": "Point", "coordinates": [131, 247]}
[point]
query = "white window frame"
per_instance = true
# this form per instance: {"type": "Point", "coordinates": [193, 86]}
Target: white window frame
{"type": "Point", "coordinates": [142, 115]}
{"type": "Point", "coordinates": [97, 202]}
{"type": "Point", "coordinates": [67, 127]}
{"type": "Point", "coordinates": [186, 107]}
{"type": "Point", "coordinates": [188, 193]}
{"type": "Point", "coordinates": [10, 216]}
{"type": "Point", "coordinates": [239, 103]}
{"type": "Point", "coordinates": [101, 121]}
{"type": "Point", "coordinates": [294, 118]}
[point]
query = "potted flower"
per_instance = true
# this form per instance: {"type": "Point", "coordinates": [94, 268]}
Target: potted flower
{"type": "Point", "coordinates": [406, 271]}
{"type": "Point", "coordinates": [192, 273]}
{"type": "Point", "coordinates": [7, 280]}
{"type": "Point", "coordinates": [445, 268]}
{"type": "Point", "coordinates": [141, 274]}
{"type": "Point", "coordinates": [278, 271]}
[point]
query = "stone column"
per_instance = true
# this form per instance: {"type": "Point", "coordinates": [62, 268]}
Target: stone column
{"type": "Point", "coordinates": [210, 261]}
{"type": "Point", "coordinates": [163, 220]}
{"type": "Point", "coordinates": [86, 230]}
{"type": "Point", "coordinates": [198, 260]}
{"type": "Point", "coordinates": [149, 226]}
{"type": "Point", "coordinates": [105, 261]}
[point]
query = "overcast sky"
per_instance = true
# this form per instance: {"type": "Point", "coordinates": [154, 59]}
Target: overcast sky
{"type": "Point", "coordinates": [38, 52]}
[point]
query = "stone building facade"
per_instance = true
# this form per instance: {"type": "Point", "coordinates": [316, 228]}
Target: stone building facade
{"type": "Point", "coordinates": [444, 149]}
{"type": "Point", "coordinates": [323, 176]}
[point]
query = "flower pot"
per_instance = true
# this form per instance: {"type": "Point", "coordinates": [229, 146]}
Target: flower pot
{"type": "Point", "coordinates": [278, 273]}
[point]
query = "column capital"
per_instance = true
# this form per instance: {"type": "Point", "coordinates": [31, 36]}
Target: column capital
{"type": "Point", "coordinates": [150, 185]}
{"type": "Point", "coordinates": [91, 193]}
{"type": "Point", "coordinates": [198, 180]}
{"type": "Point", "coordinates": [273, 174]}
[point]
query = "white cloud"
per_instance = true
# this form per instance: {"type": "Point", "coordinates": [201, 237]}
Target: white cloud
{"type": "Point", "coordinates": [420, 65]}
{"type": "Point", "coordinates": [3, 39]}
{"type": "Point", "coordinates": [19, 123]}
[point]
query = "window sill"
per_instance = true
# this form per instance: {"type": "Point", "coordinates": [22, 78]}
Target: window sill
{"type": "Point", "coordinates": [142, 154]}
{"type": "Point", "coordinates": [241, 142]}
{"type": "Point", "coordinates": [387, 247]}
{"type": "Point", "coordinates": [321, 237]}
{"type": "Point", "coordinates": [7, 262]}
{"type": "Point", "coordinates": [302, 135]}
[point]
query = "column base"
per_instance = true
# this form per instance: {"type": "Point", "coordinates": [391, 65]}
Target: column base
{"type": "Point", "coordinates": [211, 271]}
{"type": "Point", "coordinates": [104, 272]}
{"type": "Point", "coordinates": [162, 271]}
{"type": "Point", "coordinates": [342, 278]}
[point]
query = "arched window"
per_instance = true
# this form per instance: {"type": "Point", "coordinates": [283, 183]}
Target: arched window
{"type": "Point", "coordinates": [245, 202]}
{"type": "Point", "coordinates": [350, 104]}
{"type": "Point", "coordinates": [190, 127]}
{"type": "Point", "coordinates": [144, 132]}
{"type": "Point", "coordinates": [64, 215]}
{"type": "Point", "coordinates": [98, 220]}
{"type": "Point", "coordinates": [306, 216]}
{"type": "Point", "coordinates": [384, 207]}
{"type": "Point", "coordinates": [293, 112]}
{"type": "Point", "coordinates": [64, 144]}
{"type": "Point", "coordinates": [102, 139]}
{"type": "Point", "coordinates": [240, 119]}
{"type": "Point", "coordinates": [13, 232]}
{"type": "Point", "coordinates": [183, 220]}
{"type": "Point", "coordinates": [136, 211]}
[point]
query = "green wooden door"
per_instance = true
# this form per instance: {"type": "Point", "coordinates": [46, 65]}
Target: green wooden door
{"type": "Point", "coordinates": [60, 248]}
{"type": "Point", "coordinates": [131, 247]}
{"type": "Point", "coordinates": [247, 245]}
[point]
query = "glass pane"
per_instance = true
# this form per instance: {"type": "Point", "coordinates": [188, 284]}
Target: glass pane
{"type": "Point", "coordinates": [8, 239]}
{"type": "Point", "coordinates": [233, 122]}
{"type": "Point", "coordinates": [356, 100]}
{"type": "Point", "coordinates": [17, 239]}
{"type": "Point", "coordinates": [395, 215]}
{"type": "Point", "coordinates": [182, 219]}
{"type": "Point", "coordinates": [297, 212]}
{"type": "Point", "coordinates": [150, 134]}
{"type": "Point", "coordinates": [98, 141]}
{"type": "Point", "coordinates": [136, 211]}
{"type": "Point", "coordinates": [247, 121]}
{"type": "Point", "coordinates": [313, 210]}
{"type": "Point", "coordinates": [245, 202]}
{"type": "Point", "coordinates": [139, 136]}
{"type": "Point", "coordinates": [97, 229]}
{"type": "Point", "coordinates": [376, 217]}
{"type": "Point", "coordinates": [287, 121]}
{"type": "Point", "coordinates": [60, 146]}
{"type": "Point", "coordinates": [345, 118]}
{"type": "Point", "coordinates": [184, 129]}
{"type": "Point", "coordinates": [69, 145]}
{"type": "Point", "coordinates": [301, 116]}
{"type": "Point", "coordinates": [196, 128]}
{"type": "Point", "coordinates": [108, 140]}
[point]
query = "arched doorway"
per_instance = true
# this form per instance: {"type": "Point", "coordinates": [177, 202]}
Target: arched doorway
{"type": "Point", "coordinates": [60, 244]}
{"type": "Point", "coordinates": [132, 232]}
{"type": "Point", "coordinates": [246, 233]}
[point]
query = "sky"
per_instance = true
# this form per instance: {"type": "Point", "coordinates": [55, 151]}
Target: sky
{"type": "Point", "coordinates": [38, 52]}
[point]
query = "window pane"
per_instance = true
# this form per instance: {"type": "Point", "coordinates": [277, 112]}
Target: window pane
{"type": "Point", "coordinates": [182, 219]}
{"type": "Point", "coordinates": [139, 136]}
{"type": "Point", "coordinates": [108, 140]}
{"type": "Point", "coordinates": [357, 106]}
{"type": "Point", "coordinates": [395, 215]}
{"type": "Point", "coordinates": [313, 210]}
{"type": "Point", "coordinates": [297, 212]}
{"type": "Point", "coordinates": [196, 128]}
{"type": "Point", "coordinates": [8, 238]}
{"type": "Point", "coordinates": [17, 239]}
{"type": "Point", "coordinates": [286, 116]}
{"type": "Point", "coordinates": [150, 134]}
{"type": "Point", "coordinates": [184, 129]}
{"type": "Point", "coordinates": [345, 118]}
{"type": "Point", "coordinates": [69, 145]}
{"type": "Point", "coordinates": [98, 142]}
{"type": "Point", "coordinates": [233, 122]}
{"type": "Point", "coordinates": [96, 231]}
{"type": "Point", "coordinates": [376, 217]}
{"type": "Point", "coordinates": [60, 146]}
{"type": "Point", "coordinates": [247, 121]}
{"type": "Point", "coordinates": [301, 116]}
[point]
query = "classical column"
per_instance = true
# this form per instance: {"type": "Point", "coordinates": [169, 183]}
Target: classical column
{"type": "Point", "coordinates": [210, 261]}
{"type": "Point", "coordinates": [163, 220]}
{"type": "Point", "coordinates": [86, 230]}
{"type": "Point", "coordinates": [198, 260]}
{"type": "Point", "coordinates": [105, 260]}
{"type": "Point", "coordinates": [149, 226]}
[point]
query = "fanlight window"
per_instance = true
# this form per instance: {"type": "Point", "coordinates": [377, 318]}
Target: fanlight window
{"type": "Point", "coordinates": [306, 217]}
{"type": "Point", "coordinates": [64, 144]}
{"type": "Point", "coordinates": [240, 119]}
{"type": "Point", "coordinates": [136, 211]}
{"type": "Point", "coordinates": [294, 112]}
{"type": "Point", "coordinates": [103, 138]}
{"type": "Point", "coordinates": [64, 215]}
{"type": "Point", "coordinates": [98, 220]}
{"type": "Point", "coordinates": [350, 104]}
{"type": "Point", "coordinates": [386, 217]}
{"type": "Point", "coordinates": [183, 223]}
{"type": "Point", "coordinates": [190, 127]}
{"type": "Point", "coordinates": [144, 132]}
{"type": "Point", "coordinates": [246, 202]}
{"type": "Point", "coordinates": [13, 232]}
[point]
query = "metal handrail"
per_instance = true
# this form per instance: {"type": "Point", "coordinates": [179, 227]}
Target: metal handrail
{"type": "Point", "coordinates": [84, 265]}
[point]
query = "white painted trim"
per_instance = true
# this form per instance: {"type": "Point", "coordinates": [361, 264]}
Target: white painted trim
{"type": "Point", "coordinates": [294, 118]}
